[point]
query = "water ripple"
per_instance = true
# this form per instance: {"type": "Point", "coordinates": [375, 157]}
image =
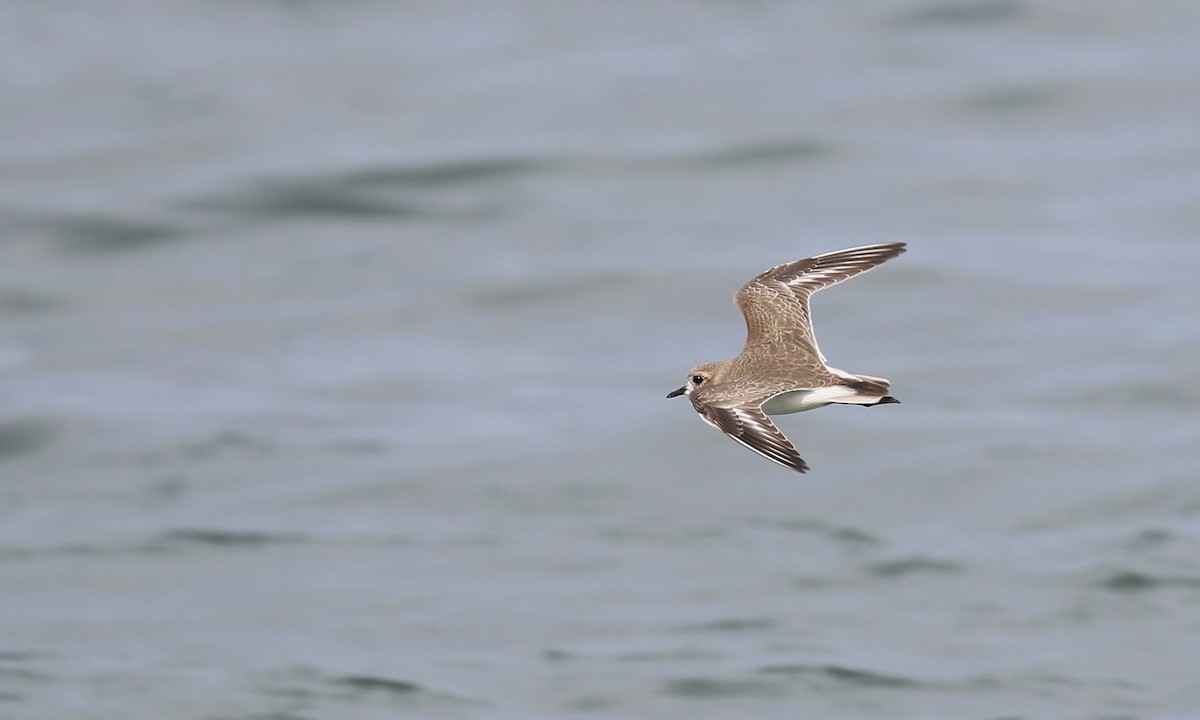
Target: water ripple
{"type": "Point", "coordinates": [909, 566]}
{"type": "Point", "coordinates": [23, 437]}
{"type": "Point", "coordinates": [228, 538]}
{"type": "Point", "coordinates": [707, 688]}
{"type": "Point", "coordinates": [1137, 581]}
{"type": "Point", "coordinates": [369, 683]}
{"type": "Point", "coordinates": [843, 675]}
{"type": "Point", "coordinates": [104, 233]}
{"type": "Point", "coordinates": [962, 13]}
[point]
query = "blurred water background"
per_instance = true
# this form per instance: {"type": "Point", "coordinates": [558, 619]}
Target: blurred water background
{"type": "Point", "coordinates": [334, 340]}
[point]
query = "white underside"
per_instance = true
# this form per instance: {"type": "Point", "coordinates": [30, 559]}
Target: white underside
{"type": "Point", "coordinates": [794, 401]}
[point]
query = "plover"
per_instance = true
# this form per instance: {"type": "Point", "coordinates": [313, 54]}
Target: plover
{"type": "Point", "coordinates": [780, 369]}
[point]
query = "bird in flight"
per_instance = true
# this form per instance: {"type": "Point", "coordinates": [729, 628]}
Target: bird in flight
{"type": "Point", "coordinates": [780, 369]}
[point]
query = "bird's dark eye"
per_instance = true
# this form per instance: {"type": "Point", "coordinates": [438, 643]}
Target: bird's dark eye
{"type": "Point", "coordinates": [697, 379]}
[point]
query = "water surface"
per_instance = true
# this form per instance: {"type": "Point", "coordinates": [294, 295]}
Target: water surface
{"type": "Point", "coordinates": [335, 338]}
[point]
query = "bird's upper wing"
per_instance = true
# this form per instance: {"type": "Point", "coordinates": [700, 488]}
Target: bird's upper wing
{"type": "Point", "coordinates": [751, 427]}
{"type": "Point", "coordinates": [775, 303]}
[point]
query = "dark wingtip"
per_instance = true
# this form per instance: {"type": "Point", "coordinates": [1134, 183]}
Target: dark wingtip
{"type": "Point", "coordinates": [798, 464]}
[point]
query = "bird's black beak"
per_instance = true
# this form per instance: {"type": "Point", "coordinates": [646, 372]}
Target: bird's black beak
{"type": "Point", "coordinates": [677, 393]}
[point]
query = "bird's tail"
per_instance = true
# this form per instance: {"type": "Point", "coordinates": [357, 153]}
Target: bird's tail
{"type": "Point", "coordinates": [866, 390]}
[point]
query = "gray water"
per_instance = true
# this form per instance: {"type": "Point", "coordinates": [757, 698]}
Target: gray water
{"type": "Point", "coordinates": [335, 338]}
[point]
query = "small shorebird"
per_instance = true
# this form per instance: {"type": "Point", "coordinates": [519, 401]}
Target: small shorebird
{"type": "Point", "coordinates": [781, 370]}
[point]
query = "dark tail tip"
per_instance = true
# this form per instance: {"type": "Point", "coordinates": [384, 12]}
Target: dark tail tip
{"type": "Point", "coordinates": [885, 400]}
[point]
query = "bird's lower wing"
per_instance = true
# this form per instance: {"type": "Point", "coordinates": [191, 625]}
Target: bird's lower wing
{"type": "Point", "coordinates": [751, 427]}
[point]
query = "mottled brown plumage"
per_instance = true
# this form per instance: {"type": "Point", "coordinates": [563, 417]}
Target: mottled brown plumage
{"type": "Point", "coordinates": [781, 368]}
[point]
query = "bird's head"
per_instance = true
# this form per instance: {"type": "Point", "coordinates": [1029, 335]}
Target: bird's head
{"type": "Point", "coordinates": [697, 378]}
